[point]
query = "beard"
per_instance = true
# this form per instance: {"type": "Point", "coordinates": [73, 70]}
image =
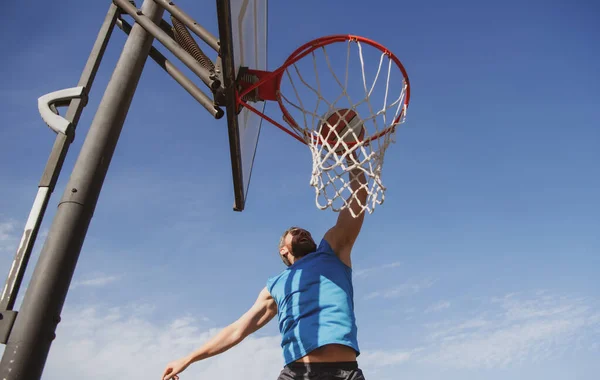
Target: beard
{"type": "Point", "coordinates": [286, 261]}
{"type": "Point", "coordinates": [302, 245]}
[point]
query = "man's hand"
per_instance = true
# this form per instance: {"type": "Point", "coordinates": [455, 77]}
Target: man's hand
{"type": "Point", "coordinates": [174, 368]}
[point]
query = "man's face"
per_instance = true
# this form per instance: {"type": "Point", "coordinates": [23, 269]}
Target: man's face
{"type": "Point", "coordinates": [297, 243]}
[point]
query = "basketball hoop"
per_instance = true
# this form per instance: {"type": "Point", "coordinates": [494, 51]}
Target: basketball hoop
{"type": "Point", "coordinates": [310, 95]}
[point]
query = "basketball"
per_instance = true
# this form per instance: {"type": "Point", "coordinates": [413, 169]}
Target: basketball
{"type": "Point", "coordinates": [342, 123]}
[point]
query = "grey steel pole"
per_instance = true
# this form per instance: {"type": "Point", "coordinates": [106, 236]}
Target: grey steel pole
{"type": "Point", "coordinates": [34, 330]}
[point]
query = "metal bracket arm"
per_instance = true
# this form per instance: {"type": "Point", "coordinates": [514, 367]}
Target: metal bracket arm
{"type": "Point", "coordinates": [62, 97]}
{"type": "Point", "coordinates": [258, 85]}
{"type": "Point", "coordinates": [7, 320]}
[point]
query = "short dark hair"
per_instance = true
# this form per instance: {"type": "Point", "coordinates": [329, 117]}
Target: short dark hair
{"type": "Point", "coordinates": [282, 239]}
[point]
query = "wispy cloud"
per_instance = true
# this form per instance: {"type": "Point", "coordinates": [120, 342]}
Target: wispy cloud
{"type": "Point", "coordinates": [381, 358]}
{"type": "Point", "coordinates": [442, 330]}
{"type": "Point", "coordinates": [8, 235]}
{"type": "Point", "coordinates": [369, 271]}
{"type": "Point", "coordinates": [442, 305]}
{"type": "Point", "coordinates": [11, 232]}
{"type": "Point", "coordinates": [514, 329]}
{"type": "Point", "coordinates": [97, 280]}
{"type": "Point", "coordinates": [402, 290]}
{"type": "Point", "coordinates": [96, 343]}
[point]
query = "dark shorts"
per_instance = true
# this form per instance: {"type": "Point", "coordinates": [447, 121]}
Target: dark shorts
{"type": "Point", "coordinates": [321, 371]}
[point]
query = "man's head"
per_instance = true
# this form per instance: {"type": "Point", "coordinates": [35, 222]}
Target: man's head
{"type": "Point", "coordinates": [295, 243]}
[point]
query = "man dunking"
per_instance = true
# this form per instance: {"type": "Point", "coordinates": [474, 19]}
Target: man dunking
{"type": "Point", "coordinates": [313, 299]}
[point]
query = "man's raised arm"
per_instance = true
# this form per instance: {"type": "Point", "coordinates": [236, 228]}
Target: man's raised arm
{"type": "Point", "coordinates": [342, 236]}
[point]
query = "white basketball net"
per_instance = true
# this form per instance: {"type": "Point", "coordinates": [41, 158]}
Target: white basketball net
{"type": "Point", "coordinates": [311, 89]}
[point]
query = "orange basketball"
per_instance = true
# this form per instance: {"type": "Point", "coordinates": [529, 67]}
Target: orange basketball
{"type": "Point", "coordinates": [342, 124]}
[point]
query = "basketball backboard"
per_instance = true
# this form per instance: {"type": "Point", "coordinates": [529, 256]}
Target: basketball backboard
{"type": "Point", "coordinates": [243, 43]}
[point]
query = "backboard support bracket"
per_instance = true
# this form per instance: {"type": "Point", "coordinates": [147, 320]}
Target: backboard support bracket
{"type": "Point", "coordinates": [227, 94]}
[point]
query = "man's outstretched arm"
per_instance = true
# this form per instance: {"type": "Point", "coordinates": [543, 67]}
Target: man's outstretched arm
{"type": "Point", "coordinates": [263, 310]}
{"type": "Point", "coordinates": [342, 236]}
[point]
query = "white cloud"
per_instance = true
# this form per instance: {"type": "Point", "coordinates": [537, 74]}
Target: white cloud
{"type": "Point", "coordinates": [8, 235]}
{"type": "Point", "coordinates": [97, 280]}
{"type": "Point", "coordinates": [438, 307]}
{"type": "Point", "coordinates": [368, 271]}
{"type": "Point", "coordinates": [137, 341]}
{"type": "Point", "coordinates": [406, 289]}
{"type": "Point", "coordinates": [123, 342]}
{"type": "Point", "coordinates": [542, 306]}
{"type": "Point", "coordinates": [98, 343]}
{"type": "Point", "coordinates": [95, 343]}
{"type": "Point", "coordinates": [513, 329]}
{"type": "Point", "coordinates": [448, 329]}
{"type": "Point", "coordinates": [379, 358]}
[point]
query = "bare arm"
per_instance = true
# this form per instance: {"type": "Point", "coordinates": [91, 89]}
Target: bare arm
{"type": "Point", "coordinates": [342, 236]}
{"type": "Point", "coordinates": [263, 310]}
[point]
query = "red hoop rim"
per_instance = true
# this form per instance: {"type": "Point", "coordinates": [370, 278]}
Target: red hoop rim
{"type": "Point", "coordinates": [275, 78]}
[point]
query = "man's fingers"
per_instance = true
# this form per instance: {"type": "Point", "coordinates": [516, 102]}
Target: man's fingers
{"type": "Point", "coordinates": [165, 375]}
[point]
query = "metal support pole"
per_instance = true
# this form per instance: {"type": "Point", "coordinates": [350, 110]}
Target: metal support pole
{"type": "Point", "coordinates": [180, 77]}
{"type": "Point", "coordinates": [50, 176]}
{"type": "Point", "coordinates": [29, 343]}
{"type": "Point", "coordinates": [141, 19]}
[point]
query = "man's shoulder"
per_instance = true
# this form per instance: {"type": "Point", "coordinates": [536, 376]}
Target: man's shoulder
{"type": "Point", "coordinates": [325, 246]}
{"type": "Point", "coordinates": [273, 279]}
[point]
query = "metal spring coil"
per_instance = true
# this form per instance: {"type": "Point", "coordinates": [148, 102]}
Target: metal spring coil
{"type": "Point", "coordinates": [252, 96]}
{"type": "Point", "coordinates": [187, 42]}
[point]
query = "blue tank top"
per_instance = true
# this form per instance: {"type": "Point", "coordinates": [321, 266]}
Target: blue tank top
{"type": "Point", "coordinates": [315, 302]}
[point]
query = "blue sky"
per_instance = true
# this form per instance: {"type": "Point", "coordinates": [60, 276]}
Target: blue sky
{"type": "Point", "coordinates": [481, 264]}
